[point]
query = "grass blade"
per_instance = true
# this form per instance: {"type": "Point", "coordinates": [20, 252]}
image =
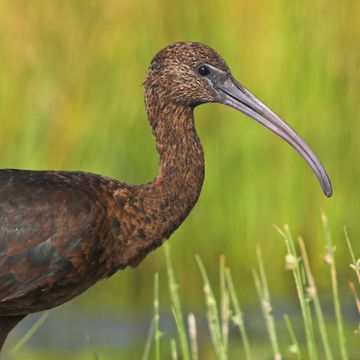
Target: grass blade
{"type": "Point", "coordinates": [238, 318]}
{"type": "Point", "coordinates": [29, 334]}
{"type": "Point", "coordinates": [266, 310]}
{"type": "Point", "coordinates": [357, 303]}
{"type": "Point", "coordinates": [313, 294]}
{"type": "Point", "coordinates": [212, 314]}
{"type": "Point", "coordinates": [264, 296]}
{"type": "Point", "coordinates": [175, 299]}
{"type": "Point", "coordinates": [148, 341]}
{"type": "Point", "coordinates": [330, 260]}
{"type": "Point", "coordinates": [355, 263]}
{"type": "Point", "coordinates": [355, 295]}
{"type": "Point", "coordinates": [193, 337]}
{"type": "Point", "coordinates": [224, 305]}
{"type": "Point", "coordinates": [293, 264]}
{"type": "Point", "coordinates": [294, 348]}
{"type": "Point", "coordinates": [173, 349]}
{"type": "Point", "coordinates": [157, 333]}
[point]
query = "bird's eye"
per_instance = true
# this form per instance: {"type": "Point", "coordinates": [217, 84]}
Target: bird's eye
{"type": "Point", "coordinates": [203, 70]}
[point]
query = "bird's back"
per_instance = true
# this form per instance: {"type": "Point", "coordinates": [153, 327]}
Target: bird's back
{"type": "Point", "coordinates": [49, 246]}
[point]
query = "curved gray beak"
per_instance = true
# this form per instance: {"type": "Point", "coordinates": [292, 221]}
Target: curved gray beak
{"type": "Point", "coordinates": [232, 93]}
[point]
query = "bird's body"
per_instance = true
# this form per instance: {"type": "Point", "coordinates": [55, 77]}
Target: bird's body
{"type": "Point", "coordinates": [63, 231]}
{"type": "Point", "coordinates": [60, 232]}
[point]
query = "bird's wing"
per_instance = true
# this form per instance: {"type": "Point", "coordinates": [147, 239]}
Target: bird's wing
{"type": "Point", "coordinates": [48, 225]}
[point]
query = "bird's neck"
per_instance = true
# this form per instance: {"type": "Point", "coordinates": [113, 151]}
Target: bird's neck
{"type": "Point", "coordinates": [150, 213]}
{"type": "Point", "coordinates": [177, 186]}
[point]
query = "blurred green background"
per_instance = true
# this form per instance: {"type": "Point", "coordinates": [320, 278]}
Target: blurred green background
{"type": "Point", "coordinates": [71, 98]}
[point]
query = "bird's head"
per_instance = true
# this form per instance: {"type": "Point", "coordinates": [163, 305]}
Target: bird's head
{"type": "Point", "coordinates": [185, 73]}
{"type": "Point", "coordinates": [189, 74]}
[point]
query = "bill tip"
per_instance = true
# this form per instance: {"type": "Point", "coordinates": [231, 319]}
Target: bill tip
{"type": "Point", "coordinates": [328, 192]}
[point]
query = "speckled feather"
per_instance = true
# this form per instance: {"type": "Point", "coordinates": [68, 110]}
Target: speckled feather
{"type": "Point", "coordinates": [60, 232]}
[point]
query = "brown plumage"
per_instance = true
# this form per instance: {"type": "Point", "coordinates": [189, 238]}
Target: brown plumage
{"type": "Point", "coordinates": [60, 232]}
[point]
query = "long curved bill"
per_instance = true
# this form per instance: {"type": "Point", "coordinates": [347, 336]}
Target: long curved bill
{"type": "Point", "coordinates": [232, 93]}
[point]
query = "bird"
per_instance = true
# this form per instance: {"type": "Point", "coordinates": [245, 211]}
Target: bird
{"type": "Point", "coordinates": [62, 231]}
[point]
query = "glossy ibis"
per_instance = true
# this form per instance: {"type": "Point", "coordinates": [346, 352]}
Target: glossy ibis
{"type": "Point", "coordinates": [61, 232]}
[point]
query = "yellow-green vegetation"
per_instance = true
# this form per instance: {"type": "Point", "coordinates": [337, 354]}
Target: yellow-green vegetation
{"type": "Point", "coordinates": [71, 98]}
{"type": "Point", "coordinates": [311, 336]}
